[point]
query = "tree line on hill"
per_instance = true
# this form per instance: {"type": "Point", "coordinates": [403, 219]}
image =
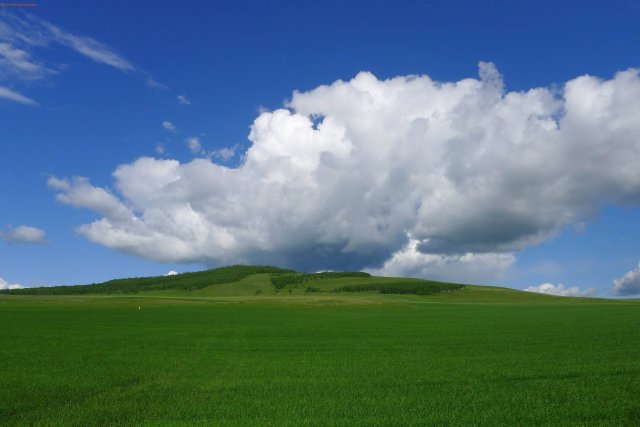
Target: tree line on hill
{"type": "Point", "coordinates": [184, 281]}
{"type": "Point", "coordinates": [416, 288]}
{"type": "Point", "coordinates": [294, 278]}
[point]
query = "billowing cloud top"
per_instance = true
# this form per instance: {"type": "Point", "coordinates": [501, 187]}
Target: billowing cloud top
{"type": "Point", "coordinates": [368, 173]}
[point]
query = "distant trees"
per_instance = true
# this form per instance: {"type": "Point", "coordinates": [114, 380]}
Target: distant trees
{"type": "Point", "coordinates": [285, 279]}
{"type": "Point", "coordinates": [410, 287]}
{"type": "Point", "coordinates": [383, 286]}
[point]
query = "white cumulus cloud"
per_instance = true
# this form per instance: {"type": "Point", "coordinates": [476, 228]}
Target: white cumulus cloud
{"type": "Point", "coordinates": [629, 284]}
{"type": "Point", "coordinates": [171, 273]}
{"type": "Point", "coordinates": [561, 290]}
{"type": "Point", "coordinates": [6, 285]}
{"type": "Point", "coordinates": [401, 175]}
{"type": "Point", "coordinates": [24, 234]}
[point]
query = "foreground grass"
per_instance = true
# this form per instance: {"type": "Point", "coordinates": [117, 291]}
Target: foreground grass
{"type": "Point", "coordinates": [399, 360]}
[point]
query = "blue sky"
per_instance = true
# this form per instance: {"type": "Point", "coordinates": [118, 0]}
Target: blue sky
{"type": "Point", "coordinates": [85, 90]}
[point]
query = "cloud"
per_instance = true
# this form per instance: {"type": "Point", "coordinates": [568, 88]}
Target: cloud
{"type": "Point", "coordinates": [629, 284]}
{"type": "Point", "coordinates": [194, 144]}
{"type": "Point", "coordinates": [21, 35]}
{"type": "Point", "coordinates": [7, 93]}
{"type": "Point", "coordinates": [463, 268]}
{"type": "Point", "coordinates": [19, 64]}
{"type": "Point", "coordinates": [154, 84]}
{"type": "Point", "coordinates": [24, 234]}
{"type": "Point", "coordinates": [404, 175]}
{"type": "Point", "coordinates": [28, 31]}
{"type": "Point", "coordinates": [5, 285]}
{"type": "Point", "coordinates": [169, 126]}
{"type": "Point", "coordinates": [225, 154]}
{"type": "Point", "coordinates": [550, 289]}
{"type": "Point", "coordinates": [79, 192]}
{"type": "Point", "coordinates": [91, 48]}
{"type": "Point", "coordinates": [171, 273]}
{"type": "Point", "coordinates": [183, 100]}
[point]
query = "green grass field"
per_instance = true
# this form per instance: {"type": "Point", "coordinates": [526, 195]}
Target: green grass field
{"type": "Point", "coordinates": [243, 353]}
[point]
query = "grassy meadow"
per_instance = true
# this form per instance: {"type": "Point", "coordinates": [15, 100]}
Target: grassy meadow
{"type": "Point", "coordinates": [247, 353]}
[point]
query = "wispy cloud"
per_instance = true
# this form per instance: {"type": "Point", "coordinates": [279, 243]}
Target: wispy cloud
{"type": "Point", "coordinates": [22, 34]}
{"type": "Point", "coordinates": [225, 154]}
{"type": "Point", "coordinates": [19, 63]}
{"type": "Point", "coordinates": [169, 126]}
{"type": "Point", "coordinates": [91, 48]}
{"type": "Point", "coordinates": [18, 35]}
{"type": "Point", "coordinates": [183, 100]}
{"type": "Point", "coordinates": [7, 93]}
{"type": "Point", "coordinates": [194, 144]}
{"type": "Point", "coordinates": [19, 28]}
{"type": "Point", "coordinates": [154, 84]}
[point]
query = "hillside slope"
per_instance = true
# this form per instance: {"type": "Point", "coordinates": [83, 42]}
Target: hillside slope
{"type": "Point", "coordinates": [184, 281]}
{"type": "Point", "coordinates": [266, 283]}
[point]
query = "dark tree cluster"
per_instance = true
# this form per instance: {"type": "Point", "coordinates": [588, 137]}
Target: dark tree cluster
{"type": "Point", "coordinates": [286, 279]}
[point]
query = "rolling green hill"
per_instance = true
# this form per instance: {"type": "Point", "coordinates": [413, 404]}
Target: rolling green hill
{"type": "Point", "coordinates": [267, 283]}
{"type": "Point", "coordinates": [242, 280]}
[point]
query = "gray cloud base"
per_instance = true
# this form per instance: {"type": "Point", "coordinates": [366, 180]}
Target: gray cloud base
{"type": "Point", "coordinates": [405, 174]}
